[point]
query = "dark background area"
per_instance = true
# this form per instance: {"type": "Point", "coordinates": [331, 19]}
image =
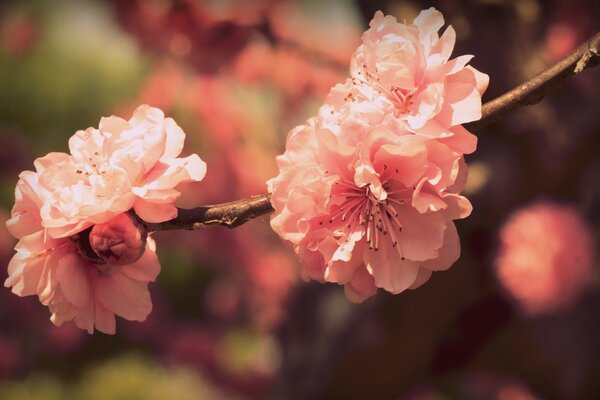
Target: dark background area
{"type": "Point", "coordinates": [232, 318]}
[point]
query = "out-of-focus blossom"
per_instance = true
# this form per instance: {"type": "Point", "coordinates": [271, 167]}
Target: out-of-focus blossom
{"type": "Point", "coordinates": [18, 32]}
{"type": "Point", "coordinates": [490, 385]}
{"type": "Point", "coordinates": [207, 34]}
{"type": "Point", "coordinates": [546, 257]}
{"type": "Point", "coordinates": [560, 40]}
{"type": "Point", "coordinates": [367, 191]}
{"type": "Point", "coordinates": [334, 27]}
{"type": "Point", "coordinates": [402, 75]}
{"type": "Point", "coordinates": [9, 355]}
{"type": "Point", "coordinates": [64, 339]}
{"type": "Point", "coordinates": [73, 205]}
{"type": "Point", "coordinates": [286, 68]}
{"type": "Point", "coordinates": [369, 209]}
{"type": "Point", "coordinates": [119, 166]}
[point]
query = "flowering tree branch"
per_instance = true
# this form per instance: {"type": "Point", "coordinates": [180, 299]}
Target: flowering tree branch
{"type": "Point", "coordinates": [231, 214]}
{"type": "Point", "coordinates": [531, 92]}
{"type": "Point", "coordinates": [235, 213]}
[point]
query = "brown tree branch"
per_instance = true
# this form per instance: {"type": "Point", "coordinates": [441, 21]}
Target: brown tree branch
{"type": "Point", "coordinates": [535, 89]}
{"type": "Point", "coordinates": [237, 212]}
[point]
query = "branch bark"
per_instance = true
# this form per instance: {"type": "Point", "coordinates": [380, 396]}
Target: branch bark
{"type": "Point", "coordinates": [231, 215]}
{"type": "Point", "coordinates": [535, 89]}
{"type": "Point", "coordinates": [237, 212]}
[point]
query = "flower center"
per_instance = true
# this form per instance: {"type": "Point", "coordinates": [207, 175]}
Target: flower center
{"type": "Point", "coordinates": [361, 210]}
{"type": "Point", "coordinates": [402, 99]}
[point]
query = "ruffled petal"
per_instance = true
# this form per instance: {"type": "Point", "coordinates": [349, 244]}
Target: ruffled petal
{"type": "Point", "coordinates": [122, 295]}
{"type": "Point", "coordinates": [361, 287]}
{"type": "Point", "coordinates": [147, 268]}
{"type": "Point", "coordinates": [389, 270]}
{"type": "Point", "coordinates": [73, 279]}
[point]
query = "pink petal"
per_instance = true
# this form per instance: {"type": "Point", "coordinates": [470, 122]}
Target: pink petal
{"type": "Point", "coordinates": [422, 277]}
{"type": "Point", "coordinates": [449, 252]}
{"type": "Point", "coordinates": [152, 212]}
{"type": "Point", "coordinates": [147, 268]}
{"type": "Point", "coordinates": [421, 235]}
{"type": "Point", "coordinates": [25, 216]}
{"type": "Point", "coordinates": [390, 271]}
{"type": "Point", "coordinates": [425, 200]}
{"type": "Point", "coordinates": [405, 162]}
{"type": "Point", "coordinates": [168, 174]}
{"type": "Point", "coordinates": [122, 295]}
{"type": "Point", "coordinates": [48, 160]}
{"type": "Point", "coordinates": [457, 64]}
{"type": "Point", "coordinates": [463, 100]}
{"type": "Point", "coordinates": [482, 80]}
{"type": "Point", "coordinates": [73, 278]}
{"type": "Point", "coordinates": [458, 206]}
{"type": "Point", "coordinates": [446, 43]}
{"type": "Point", "coordinates": [61, 309]}
{"type": "Point", "coordinates": [429, 102]}
{"type": "Point", "coordinates": [361, 287]}
{"type": "Point", "coordinates": [113, 124]}
{"type": "Point", "coordinates": [175, 139]}
{"type": "Point", "coordinates": [24, 273]}
{"type": "Point", "coordinates": [340, 271]}
{"type": "Point", "coordinates": [104, 320]}
{"type": "Point", "coordinates": [84, 319]}
{"type": "Point", "coordinates": [429, 22]}
{"type": "Point", "coordinates": [48, 284]}
{"type": "Point", "coordinates": [461, 141]}
{"type": "Point", "coordinates": [149, 122]}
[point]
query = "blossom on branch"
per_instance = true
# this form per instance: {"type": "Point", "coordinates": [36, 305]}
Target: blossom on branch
{"type": "Point", "coordinates": [78, 250]}
{"type": "Point", "coordinates": [368, 190]}
{"type": "Point", "coordinates": [119, 166]}
{"type": "Point", "coordinates": [402, 76]}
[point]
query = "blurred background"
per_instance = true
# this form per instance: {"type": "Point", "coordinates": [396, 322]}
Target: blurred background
{"type": "Point", "coordinates": [232, 319]}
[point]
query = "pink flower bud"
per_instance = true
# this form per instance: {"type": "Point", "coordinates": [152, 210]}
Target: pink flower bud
{"type": "Point", "coordinates": [120, 241]}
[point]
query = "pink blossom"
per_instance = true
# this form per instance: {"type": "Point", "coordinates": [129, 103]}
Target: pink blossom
{"type": "Point", "coordinates": [119, 166]}
{"type": "Point", "coordinates": [546, 257]}
{"type": "Point", "coordinates": [73, 287]}
{"type": "Point", "coordinates": [368, 190]}
{"type": "Point", "coordinates": [369, 208]}
{"type": "Point", "coordinates": [75, 204]}
{"type": "Point", "coordinates": [402, 75]}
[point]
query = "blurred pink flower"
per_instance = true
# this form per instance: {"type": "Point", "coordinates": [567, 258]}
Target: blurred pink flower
{"type": "Point", "coordinates": [402, 75]}
{"type": "Point", "coordinates": [205, 34]}
{"type": "Point", "coordinates": [19, 32]}
{"type": "Point", "coordinates": [546, 257]}
{"type": "Point", "coordinates": [73, 287]}
{"type": "Point", "coordinates": [121, 165]}
{"type": "Point", "coordinates": [369, 208]}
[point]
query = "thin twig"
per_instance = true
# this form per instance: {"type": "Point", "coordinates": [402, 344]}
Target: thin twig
{"type": "Point", "coordinates": [237, 212]}
{"type": "Point", "coordinates": [535, 89]}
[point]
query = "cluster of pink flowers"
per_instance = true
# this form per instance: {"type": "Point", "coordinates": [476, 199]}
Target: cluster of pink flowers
{"type": "Point", "coordinates": [120, 166]}
{"type": "Point", "coordinates": [546, 257]}
{"type": "Point", "coordinates": [369, 188]}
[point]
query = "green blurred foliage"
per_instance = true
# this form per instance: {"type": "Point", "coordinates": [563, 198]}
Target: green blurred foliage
{"type": "Point", "coordinates": [125, 378]}
{"type": "Point", "coordinates": [80, 65]}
